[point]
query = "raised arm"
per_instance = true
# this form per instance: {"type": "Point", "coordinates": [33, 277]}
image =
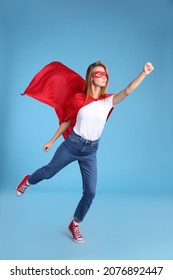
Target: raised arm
{"type": "Point", "coordinates": [147, 69]}
{"type": "Point", "coordinates": [57, 134]}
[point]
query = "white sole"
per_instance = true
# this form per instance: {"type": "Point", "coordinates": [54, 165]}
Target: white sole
{"type": "Point", "coordinates": [77, 241]}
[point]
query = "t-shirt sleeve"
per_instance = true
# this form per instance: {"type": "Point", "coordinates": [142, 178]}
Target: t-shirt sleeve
{"type": "Point", "coordinates": [110, 104]}
{"type": "Point", "coordinates": [110, 101]}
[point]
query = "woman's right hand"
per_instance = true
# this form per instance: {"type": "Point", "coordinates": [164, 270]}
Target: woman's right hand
{"type": "Point", "coordinates": [47, 146]}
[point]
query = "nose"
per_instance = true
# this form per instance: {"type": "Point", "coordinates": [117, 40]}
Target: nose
{"type": "Point", "coordinates": [104, 77]}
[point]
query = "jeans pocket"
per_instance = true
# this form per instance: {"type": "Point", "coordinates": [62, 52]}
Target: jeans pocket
{"type": "Point", "coordinates": [74, 138]}
{"type": "Point", "coordinates": [95, 146]}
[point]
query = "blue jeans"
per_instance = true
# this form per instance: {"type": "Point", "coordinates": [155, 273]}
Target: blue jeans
{"type": "Point", "coordinates": [82, 150]}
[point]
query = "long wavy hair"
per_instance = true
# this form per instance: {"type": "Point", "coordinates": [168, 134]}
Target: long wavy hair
{"type": "Point", "coordinates": [88, 87]}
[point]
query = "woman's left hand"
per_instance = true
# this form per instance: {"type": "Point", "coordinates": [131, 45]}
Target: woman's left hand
{"type": "Point", "coordinates": [148, 68]}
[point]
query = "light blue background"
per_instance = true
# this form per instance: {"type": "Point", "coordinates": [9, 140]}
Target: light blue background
{"type": "Point", "coordinates": [131, 217]}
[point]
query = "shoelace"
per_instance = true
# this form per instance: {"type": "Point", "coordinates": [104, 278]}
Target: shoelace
{"type": "Point", "coordinates": [23, 188]}
{"type": "Point", "coordinates": [77, 232]}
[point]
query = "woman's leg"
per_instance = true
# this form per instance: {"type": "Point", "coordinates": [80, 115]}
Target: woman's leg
{"type": "Point", "coordinates": [88, 167]}
{"type": "Point", "coordinates": [61, 158]}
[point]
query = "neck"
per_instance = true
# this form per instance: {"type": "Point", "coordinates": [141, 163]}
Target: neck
{"type": "Point", "coordinates": [95, 91]}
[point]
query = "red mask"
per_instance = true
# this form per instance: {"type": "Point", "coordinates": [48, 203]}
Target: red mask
{"type": "Point", "coordinates": [99, 74]}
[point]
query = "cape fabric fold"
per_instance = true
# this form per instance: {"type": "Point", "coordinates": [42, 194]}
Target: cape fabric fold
{"type": "Point", "coordinates": [55, 84]}
{"type": "Point", "coordinates": [62, 88]}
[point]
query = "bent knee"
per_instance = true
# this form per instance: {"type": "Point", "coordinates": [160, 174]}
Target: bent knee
{"type": "Point", "coordinates": [90, 194]}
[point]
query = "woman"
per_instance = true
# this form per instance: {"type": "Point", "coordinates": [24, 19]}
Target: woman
{"type": "Point", "coordinates": [88, 112]}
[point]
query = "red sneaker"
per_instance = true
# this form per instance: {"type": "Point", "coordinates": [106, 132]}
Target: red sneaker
{"type": "Point", "coordinates": [22, 186]}
{"type": "Point", "coordinates": [74, 229]}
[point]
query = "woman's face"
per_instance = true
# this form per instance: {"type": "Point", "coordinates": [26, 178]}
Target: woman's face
{"type": "Point", "coordinates": [99, 76]}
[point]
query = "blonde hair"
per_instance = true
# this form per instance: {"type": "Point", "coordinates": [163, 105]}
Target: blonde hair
{"type": "Point", "coordinates": [88, 87]}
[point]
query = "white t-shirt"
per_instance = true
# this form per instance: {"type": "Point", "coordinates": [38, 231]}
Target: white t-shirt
{"type": "Point", "coordinates": [91, 118]}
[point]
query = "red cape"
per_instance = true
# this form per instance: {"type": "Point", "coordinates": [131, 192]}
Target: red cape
{"type": "Point", "coordinates": [60, 87]}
